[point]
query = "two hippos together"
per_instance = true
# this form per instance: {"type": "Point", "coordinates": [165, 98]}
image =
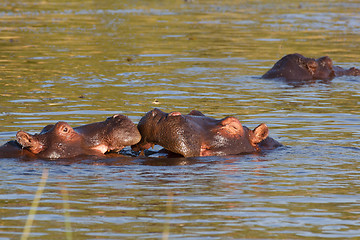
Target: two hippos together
{"type": "Point", "coordinates": [188, 135]}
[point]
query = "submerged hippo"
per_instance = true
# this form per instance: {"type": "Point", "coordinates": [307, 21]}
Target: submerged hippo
{"type": "Point", "coordinates": [195, 134]}
{"type": "Point", "coordinates": [296, 67]}
{"type": "Point", "coordinates": [63, 141]}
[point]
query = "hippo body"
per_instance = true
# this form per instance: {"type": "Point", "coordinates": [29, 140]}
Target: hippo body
{"type": "Point", "coordinates": [296, 67]}
{"type": "Point", "coordinates": [63, 141]}
{"type": "Point", "coordinates": [195, 134]}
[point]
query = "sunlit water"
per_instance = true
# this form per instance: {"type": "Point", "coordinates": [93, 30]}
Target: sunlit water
{"type": "Point", "coordinates": [82, 61]}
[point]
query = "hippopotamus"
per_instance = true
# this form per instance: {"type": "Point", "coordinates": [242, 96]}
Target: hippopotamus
{"type": "Point", "coordinates": [63, 141]}
{"type": "Point", "coordinates": [296, 67]}
{"type": "Point", "coordinates": [195, 134]}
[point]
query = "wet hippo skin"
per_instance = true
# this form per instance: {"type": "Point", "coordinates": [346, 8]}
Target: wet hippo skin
{"type": "Point", "coordinates": [296, 67]}
{"type": "Point", "coordinates": [63, 141]}
{"type": "Point", "coordinates": [194, 134]}
{"type": "Point", "coordinates": [113, 134]}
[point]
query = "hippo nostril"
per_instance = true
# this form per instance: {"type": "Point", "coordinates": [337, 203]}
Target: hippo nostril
{"type": "Point", "coordinates": [154, 112]}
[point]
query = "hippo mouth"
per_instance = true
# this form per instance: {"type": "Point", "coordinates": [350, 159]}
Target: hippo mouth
{"type": "Point", "coordinates": [102, 148]}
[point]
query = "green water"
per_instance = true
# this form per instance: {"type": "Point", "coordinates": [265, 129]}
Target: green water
{"type": "Point", "coordinates": [82, 61]}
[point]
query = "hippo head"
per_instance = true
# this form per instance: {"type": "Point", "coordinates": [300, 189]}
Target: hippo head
{"type": "Point", "coordinates": [171, 131]}
{"type": "Point", "coordinates": [323, 69]}
{"type": "Point", "coordinates": [197, 135]}
{"type": "Point", "coordinates": [63, 141]}
{"type": "Point", "coordinates": [113, 134]}
{"type": "Point", "coordinates": [59, 141]}
{"type": "Point", "coordinates": [296, 67]}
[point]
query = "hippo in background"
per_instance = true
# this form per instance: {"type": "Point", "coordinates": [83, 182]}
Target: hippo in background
{"type": "Point", "coordinates": [63, 141]}
{"type": "Point", "coordinates": [296, 67]}
{"type": "Point", "coordinates": [194, 134]}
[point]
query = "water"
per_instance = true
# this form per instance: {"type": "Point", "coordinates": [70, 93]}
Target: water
{"type": "Point", "coordinates": [81, 62]}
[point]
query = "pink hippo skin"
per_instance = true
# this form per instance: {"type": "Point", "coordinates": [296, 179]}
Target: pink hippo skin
{"type": "Point", "coordinates": [63, 141]}
{"type": "Point", "coordinates": [296, 67]}
{"type": "Point", "coordinates": [195, 134]}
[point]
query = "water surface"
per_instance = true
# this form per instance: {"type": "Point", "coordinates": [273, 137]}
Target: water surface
{"type": "Point", "coordinates": [83, 61]}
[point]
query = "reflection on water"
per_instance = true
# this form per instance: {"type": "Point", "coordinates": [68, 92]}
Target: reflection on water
{"type": "Point", "coordinates": [83, 61]}
{"type": "Point", "coordinates": [252, 196]}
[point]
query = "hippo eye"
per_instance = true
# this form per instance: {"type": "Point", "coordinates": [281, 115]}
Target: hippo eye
{"type": "Point", "coordinates": [65, 129]}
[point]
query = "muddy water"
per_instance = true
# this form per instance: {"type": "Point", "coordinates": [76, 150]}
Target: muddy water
{"type": "Point", "coordinates": [82, 61]}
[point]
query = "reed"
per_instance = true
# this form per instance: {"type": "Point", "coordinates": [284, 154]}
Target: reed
{"type": "Point", "coordinates": [68, 230]}
{"type": "Point", "coordinates": [35, 204]}
{"type": "Point", "coordinates": [169, 204]}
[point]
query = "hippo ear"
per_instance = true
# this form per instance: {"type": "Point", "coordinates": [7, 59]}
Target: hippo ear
{"type": "Point", "coordinates": [28, 141]}
{"type": "Point", "coordinates": [232, 125]}
{"type": "Point", "coordinates": [260, 133]}
{"type": "Point", "coordinates": [24, 139]}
